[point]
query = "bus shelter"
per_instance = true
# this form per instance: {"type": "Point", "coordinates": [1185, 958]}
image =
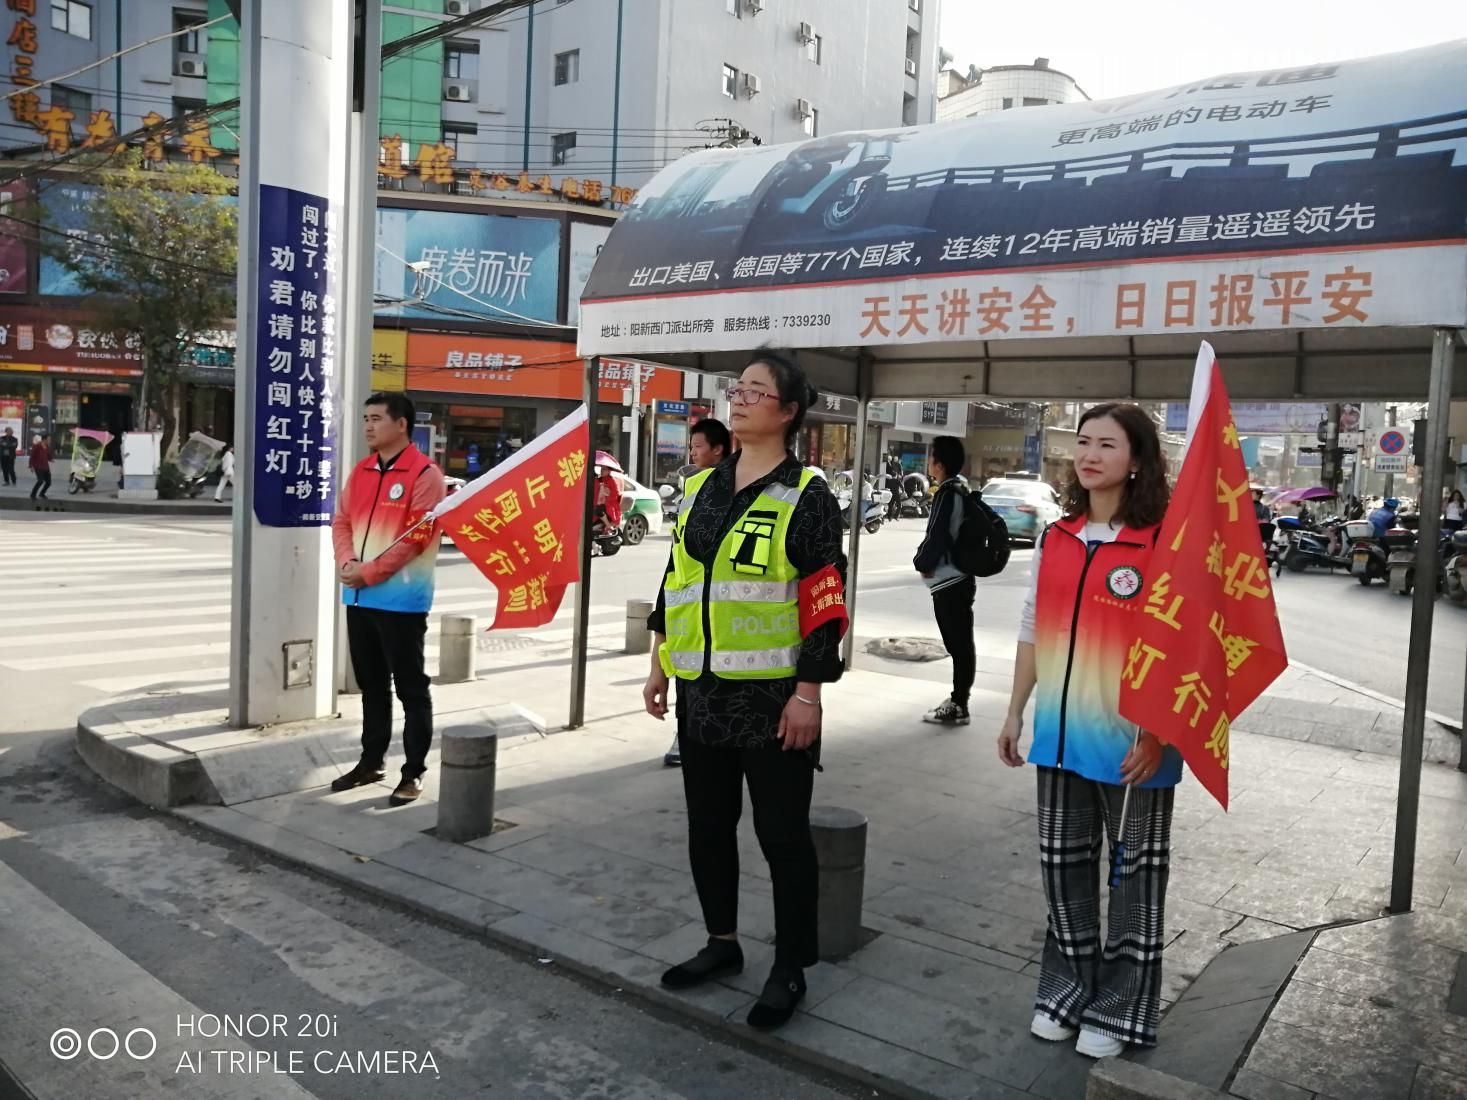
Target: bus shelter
{"type": "Point", "coordinates": [1310, 222]}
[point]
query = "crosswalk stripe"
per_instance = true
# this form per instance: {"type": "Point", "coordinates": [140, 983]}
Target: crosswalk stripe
{"type": "Point", "coordinates": [131, 656]}
{"type": "Point", "coordinates": [27, 601]}
{"type": "Point", "coordinates": [216, 592]}
{"type": "Point", "coordinates": [202, 679]}
{"type": "Point", "coordinates": [104, 568]}
{"type": "Point", "coordinates": [167, 614]}
{"type": "Point", "coordinates": [68, 559]}
{"type": "Point", "coordinates": [37, 638]}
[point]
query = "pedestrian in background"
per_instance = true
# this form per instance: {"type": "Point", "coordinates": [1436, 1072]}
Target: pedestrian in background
{"type": "Point", "coordinates": [40, 463]}
{"type": "Point", "coordinates": [226, 472]}
{"type": "Point", "coordinates": [1454, 513]}
{"type": "Point", "coordinates": [754, 613]}
{"type": "Point", "coordinates": [1077, 626]}
{"type": "Point", "coordinates": [708, 445]}
{"type": "Point", "coordinates": [952, 590]}
{"type": "Point", "coordinates": [9, 448]}
{"type": "Point", "coordinates": [388, 590]}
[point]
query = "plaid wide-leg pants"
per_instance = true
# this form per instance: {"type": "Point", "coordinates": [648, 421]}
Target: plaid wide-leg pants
{"type": "Point", "coordinates": [1115, 990]}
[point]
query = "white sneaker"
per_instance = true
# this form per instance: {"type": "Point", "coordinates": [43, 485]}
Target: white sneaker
{"type": "Point", "coordinates": [1045, 1028]}
{"type": "Point", "coordinates": [1093, 1044]}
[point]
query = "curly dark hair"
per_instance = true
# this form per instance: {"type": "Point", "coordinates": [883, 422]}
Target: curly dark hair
{"type": "Point", "coordinates": [1146, 495]}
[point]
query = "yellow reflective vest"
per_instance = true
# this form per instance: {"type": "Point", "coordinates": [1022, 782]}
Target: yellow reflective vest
{"type": "Point", "coordinates": [743, 621]}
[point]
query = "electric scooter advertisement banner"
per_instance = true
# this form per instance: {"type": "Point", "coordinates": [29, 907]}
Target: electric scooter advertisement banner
{"type": "Point", "coordinates": [1327, 195]}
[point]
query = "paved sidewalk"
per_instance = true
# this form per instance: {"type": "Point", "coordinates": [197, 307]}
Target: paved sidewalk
{"type": "Point", "coordinates": [589, 870]}
{"type": "Point", "coordinates": [16, 498]}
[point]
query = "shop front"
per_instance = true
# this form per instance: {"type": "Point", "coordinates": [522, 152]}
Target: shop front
{"type": "Point", "coordinates": [69, 373]}
{"type": "Point", "coordinates": [672, 424]}
{"type": "Point", "coordinates": [830, 433]}
{"type": "Point", "coordinates": [915, 424]}
{"type": "Point", "coordinates": [487, 396]}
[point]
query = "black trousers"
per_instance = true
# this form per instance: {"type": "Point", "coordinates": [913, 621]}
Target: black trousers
{"type": "Point", "coordinates": [387, 652]}
{"type": "Point", "coordinates": [780, 786]}
{"type": "Point", "coordinates": [7, 469]}
{"type": "Point", "coordinates": [953, 606]}
{"type": "Point", "coordinates": [43, 483]}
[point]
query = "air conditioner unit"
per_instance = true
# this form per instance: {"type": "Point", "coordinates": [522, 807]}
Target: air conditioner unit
{"type": "Point", "coordinates": [458, 93]}
{"type": "Point", "coordinates": [191, 66]}
{"type": "Point", "coordinates": [807, 34]}
{"type": "Point", "coordinates": [911, 66]}
{"type": "Point", "coordinates": [803, 109]}
{"type": "Point", "coordinates": [457, 7]}
{"type": "Point", "coordinates": [751, 85]}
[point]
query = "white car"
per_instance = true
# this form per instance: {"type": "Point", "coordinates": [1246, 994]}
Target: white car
{"type": "Point", "coordinates": [641, 510]}
{"type": "Point", "coordinates": [1026, 507]}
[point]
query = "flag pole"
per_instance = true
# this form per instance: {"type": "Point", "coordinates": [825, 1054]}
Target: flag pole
{"type": "Point", "coordinates": [427, 518]}
{"type": "Point", "coordinates": [1118, 849]}
{"type": "Point", "coordinates": [581, 627]}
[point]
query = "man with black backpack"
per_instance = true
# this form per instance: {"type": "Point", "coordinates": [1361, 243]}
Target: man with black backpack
{"type": "Point", "coordinates": [964, 540]}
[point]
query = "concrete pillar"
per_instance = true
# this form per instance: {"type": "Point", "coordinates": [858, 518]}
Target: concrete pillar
{"type": "Point", "coordinates": [840, 851]}
{"type": "Point", "coordinates": [456, 649]}
{"type": "Point", "coordinates": [296, 65]}
{"type": "Point", "coordinates": [639, 638]}
{"type": "Point", "coordinates": [468, 756]}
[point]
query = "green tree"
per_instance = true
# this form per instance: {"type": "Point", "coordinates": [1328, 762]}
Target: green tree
{"type": "Point", "coordinates": [156, 253]}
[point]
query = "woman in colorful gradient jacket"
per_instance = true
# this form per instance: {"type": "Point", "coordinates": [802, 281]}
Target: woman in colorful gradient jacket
{"type": "Point", "coordinates": [1079, 622]}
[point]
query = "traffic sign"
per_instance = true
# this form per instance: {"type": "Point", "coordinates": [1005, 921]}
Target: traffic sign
{"type": "Point", "coordinates": [1390, 464]}
{"type": "Point", "coordinates": [1392, 442]}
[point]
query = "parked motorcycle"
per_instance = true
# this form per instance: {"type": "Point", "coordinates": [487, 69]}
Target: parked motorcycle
{"type": "Point", "coordinates": [1312, 546]}
{"type": "Point", "coordinates": [195, 459]}
{"type": "Point", "coordinates": [874, 501]}
{"type": "Point", "coordinates": [1369, 553]}
{"type": "Point", "coordinates": [86, 459]}
{"type": "Point", "coordinates": [1454, 570]}
{"type": "Point", "coordinates": [915, 501]}
{"type": "Point", "coordinates": [1405, 549]}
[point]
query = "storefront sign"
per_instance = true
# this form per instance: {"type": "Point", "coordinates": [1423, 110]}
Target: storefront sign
{"type": "Point", "coordinates": [389, 361]}
{"type": "Point", "coordinates": [438, 163]}
{"type": "Point", "coordinates": [1260, 417]}
{"type": "Point", "coordinates": [446, 363]}
{"type": "Point", "coordinates": [473, 267]}
{"type": "Point", "coordinates": [48, 341]}
{"type": "Point", "coordinates": [672, 408]}
{"type": "Point", "coordinates": [295, 361]}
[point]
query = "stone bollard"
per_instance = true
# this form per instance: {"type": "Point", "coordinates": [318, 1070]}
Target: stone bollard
{"type": "Point", "coordinates": [466, 782]}
{"type": "Point", "coordinates": [456, 638]}
{"type": "Point", "coordinates": [840, 850]}
{"type": "Point", "coordinates": [639, 638]}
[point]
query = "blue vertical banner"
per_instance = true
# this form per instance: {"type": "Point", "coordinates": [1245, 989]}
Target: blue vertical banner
{"type": "Point", "coordinates": [295, 361]}
{"type": "Point", "coordinates": [1032, 460]}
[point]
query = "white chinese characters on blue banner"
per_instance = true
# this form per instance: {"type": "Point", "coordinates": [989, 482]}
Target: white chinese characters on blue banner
{"type": "Point", "coordinates": [295, 361]}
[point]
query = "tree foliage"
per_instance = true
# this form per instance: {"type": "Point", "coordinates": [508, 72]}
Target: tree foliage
{"type": "Point", "coordinates": [156, 253]}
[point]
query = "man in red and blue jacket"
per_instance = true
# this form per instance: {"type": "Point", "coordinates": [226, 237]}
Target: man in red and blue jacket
{"type": "Point", "coordinates": [387, 586]}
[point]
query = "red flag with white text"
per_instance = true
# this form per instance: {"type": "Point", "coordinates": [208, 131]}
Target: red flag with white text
{"type": "Point", "coordinates": [520, 523]}
{"type": "Point", "coordinates": [1209, 641]}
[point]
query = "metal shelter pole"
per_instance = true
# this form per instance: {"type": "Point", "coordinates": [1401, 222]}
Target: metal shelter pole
{"type": "Point", "coordinates": [1418, 654]}
{"type": "Point", "coordinates": [580, 639]}
{"type": "Point", "coordinates": [853, 556]}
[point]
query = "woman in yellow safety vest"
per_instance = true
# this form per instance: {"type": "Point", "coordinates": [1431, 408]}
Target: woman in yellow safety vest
{"type": "Point", "coordinates": [749, 621]}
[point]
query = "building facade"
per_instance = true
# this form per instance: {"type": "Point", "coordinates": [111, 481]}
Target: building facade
{"type": "Point", "coordinates": [1003, 88]}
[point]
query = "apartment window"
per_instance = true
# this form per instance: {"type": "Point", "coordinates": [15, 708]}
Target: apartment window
{"type": "Point", "coordinates": [915, 5]}
{"type": "Point", "coordinates": [72, 16]}
{"type": "Point", "coordinates": [730, 82]}
{"type": "Point", "coordinates": [79, 103]}
{"type": "Point", "coordinates": [732, 7]}
{"type": "Point", "coordinates": [811, 123]}
{"type": "Point", "coordinates": [455, 132]}
{"type": "Point", "coordinates": [461, 61]}
{"type": "Point", "coordinates": [568, 67]}
{"type": "Point", "coordinates": [189, 44]}
{"type": "Point", "coordinates": [562, 148]}
{"type": "Point", "coordinates": [1032, 101]}
{"type": "Point", "coordinates": [1008, 101]}
{"type": "Point", "coordinates": [813, 48]}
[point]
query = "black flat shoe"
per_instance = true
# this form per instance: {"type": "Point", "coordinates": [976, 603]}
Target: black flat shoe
{"type": "Point", "coordinates": [720, 957]}
{"type": "Point", "coordinates": [359, 776]}
{"type": "Point", "coordinates": [784, 990]}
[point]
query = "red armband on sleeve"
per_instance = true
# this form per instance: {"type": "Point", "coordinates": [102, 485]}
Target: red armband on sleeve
{"type": "Point", "coordinates": [822, 598]}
